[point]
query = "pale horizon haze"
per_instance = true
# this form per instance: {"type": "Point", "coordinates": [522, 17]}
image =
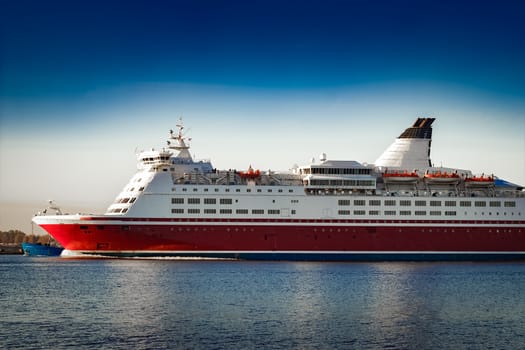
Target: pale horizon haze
{"type": "Point", "coordinates": [262, 83]}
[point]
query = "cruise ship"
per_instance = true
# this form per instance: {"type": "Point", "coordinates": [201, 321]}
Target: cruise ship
{"type": "Point", "coordinates": [401, 208]}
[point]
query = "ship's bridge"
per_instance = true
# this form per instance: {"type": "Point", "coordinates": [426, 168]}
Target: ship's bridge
{"type": "Point", "coordinates": [338, 175]}
{"type": "Point", "coordinates": [153, 160]}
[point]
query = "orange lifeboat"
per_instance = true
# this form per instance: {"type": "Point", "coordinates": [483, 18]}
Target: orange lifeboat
{"type": "Point", "coordinates": [442, 178]}
{"type": "Point", "coordinates": [400, 177]}
{"type": "Point", "coordinates": [479, 181]}
{"type": "Point", "coordinates": [250, 173]}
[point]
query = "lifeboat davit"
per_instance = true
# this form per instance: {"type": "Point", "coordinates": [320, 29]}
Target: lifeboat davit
{"type": "Point", "coordinates": [442, 178]}
{"type": "Point", "coordinates": [400, 177]}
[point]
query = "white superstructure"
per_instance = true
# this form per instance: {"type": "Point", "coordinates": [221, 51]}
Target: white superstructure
{"type": "Point", "coordinates": [170, 183]}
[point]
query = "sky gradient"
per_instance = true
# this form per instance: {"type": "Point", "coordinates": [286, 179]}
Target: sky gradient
{"type": "Point", "coordinates": [268, 83]}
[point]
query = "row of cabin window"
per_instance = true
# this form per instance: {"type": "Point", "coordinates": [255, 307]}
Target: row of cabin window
{"type": "Point", "coordinates": [408, 212]}
{"type": "Point", "coordinates": [393, 212]}
{"type": "Point", "coordinates": [126, 200]}
{"type": "Point", "coordinates": [131, 189]}
{"type": "Point", "coordinates": [422, 203]}
{"type": "Point", "coordinates": [149, 160]}
{"type": "Point", "coordinates": [211, 201]}
{"type": "Point", "coordinates": [227, 211]}
{"type": "Point", "coordinates": [179, 200]}
{"type": "Point", "coordinates": [337, 171]}
{"type": "Point", "coordinates": [119, 210]}
{"type": "Point", "coordinates": [357, 183]}
{"type": "Point", "coordinates": [269, 190]}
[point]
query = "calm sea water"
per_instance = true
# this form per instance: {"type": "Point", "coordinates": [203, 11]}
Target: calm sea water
{"type": "Point", "coordinates": [54, 303]}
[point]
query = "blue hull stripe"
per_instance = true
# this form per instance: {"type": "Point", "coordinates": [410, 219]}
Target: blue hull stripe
{"type": "Point", "coordinates": [332, 256]}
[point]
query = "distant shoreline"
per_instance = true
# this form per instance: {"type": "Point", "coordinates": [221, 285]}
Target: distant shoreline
{"type": "Point", "coordinates": [11, 249]}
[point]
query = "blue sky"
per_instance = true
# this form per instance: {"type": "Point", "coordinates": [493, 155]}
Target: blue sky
{"type": "Point", "coordinates": [64, 49]}
{"type": "Point", "coordinates": [268, 83]}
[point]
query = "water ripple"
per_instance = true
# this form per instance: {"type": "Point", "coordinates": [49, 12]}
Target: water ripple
{"type": "Point", "coordinates": [155, 304]}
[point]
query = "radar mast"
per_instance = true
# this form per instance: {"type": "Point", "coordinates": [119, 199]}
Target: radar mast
{"type": "Point", "coordinates": [180, 141]}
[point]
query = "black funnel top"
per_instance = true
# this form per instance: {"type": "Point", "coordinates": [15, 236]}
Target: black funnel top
{"type": "Point", "coordinates": [422, 129]}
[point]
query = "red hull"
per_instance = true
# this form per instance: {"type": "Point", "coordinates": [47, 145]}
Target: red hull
{"type": "Point", "coordinates": [322, 236]}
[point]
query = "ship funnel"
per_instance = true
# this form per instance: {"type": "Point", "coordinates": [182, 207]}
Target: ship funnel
{"type": "Point", "coordinates": [411, 150]}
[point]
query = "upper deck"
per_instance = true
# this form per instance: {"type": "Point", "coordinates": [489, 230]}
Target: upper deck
{"type": "Point", "coordinates": [160, 171]}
